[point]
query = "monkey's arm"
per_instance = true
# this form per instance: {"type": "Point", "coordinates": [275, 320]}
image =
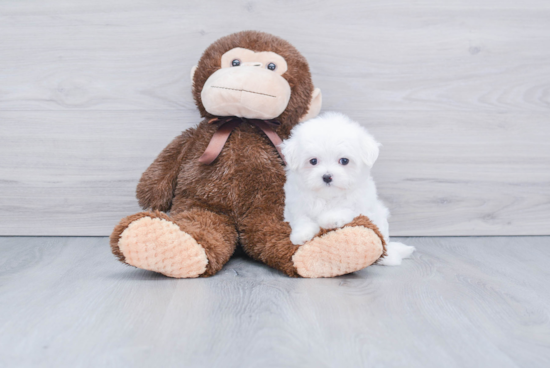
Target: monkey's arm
{"type": "Point", "coordinates": [158, 183]}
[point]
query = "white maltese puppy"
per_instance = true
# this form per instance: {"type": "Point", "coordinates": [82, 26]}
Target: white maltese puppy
{"type": "Point", "coordinates": [328, 183]}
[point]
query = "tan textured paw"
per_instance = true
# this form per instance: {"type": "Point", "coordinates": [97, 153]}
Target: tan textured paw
{"type": "Point", "coordinates": [158, 245]}
{"type": "Point", "coordinates": [338, 252]}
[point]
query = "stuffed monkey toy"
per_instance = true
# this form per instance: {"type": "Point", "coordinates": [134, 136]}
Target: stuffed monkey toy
{"type": "Point", "coordinates": [222, 181]}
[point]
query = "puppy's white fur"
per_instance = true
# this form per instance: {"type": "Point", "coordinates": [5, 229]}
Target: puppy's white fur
{"type": "Point", "coordinates": [311, 203]}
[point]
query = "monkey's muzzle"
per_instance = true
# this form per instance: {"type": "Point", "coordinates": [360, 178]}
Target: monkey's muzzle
{"type": "Point", "coordinates": [248, 92]}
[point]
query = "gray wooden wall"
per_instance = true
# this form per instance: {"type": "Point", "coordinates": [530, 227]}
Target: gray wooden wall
{"type": "Point", "coordinates": [458, 91]}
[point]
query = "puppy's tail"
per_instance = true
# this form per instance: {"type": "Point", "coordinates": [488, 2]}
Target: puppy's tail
{"type": "Point", "coordinates": [396, 252]}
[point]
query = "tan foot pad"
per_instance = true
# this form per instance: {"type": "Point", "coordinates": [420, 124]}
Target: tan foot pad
{"type": "Point", "coordinates": [158, 245]}
{"type": "Point", "coordinates": [338, 252]}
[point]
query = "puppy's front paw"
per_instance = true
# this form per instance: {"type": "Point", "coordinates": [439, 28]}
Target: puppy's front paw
{"type": "Point", "coordinates": [303, 233]}
{"type": "Point", "coordinates": [335, 219]}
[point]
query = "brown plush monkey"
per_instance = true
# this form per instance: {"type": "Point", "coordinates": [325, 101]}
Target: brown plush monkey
{"type": "Point", "coordinates": [223, 180]}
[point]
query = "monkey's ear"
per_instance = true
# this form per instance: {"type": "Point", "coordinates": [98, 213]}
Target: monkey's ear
{"type": "Point", "coordinates": [193, 69]}
{"type": "Point", "coordinates": [314, 105]}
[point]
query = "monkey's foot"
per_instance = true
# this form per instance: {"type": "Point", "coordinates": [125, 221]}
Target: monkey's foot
{"type": "Point", "coordinates": [339, 252]}
{"type": "Point", "coordinates": [152, 242]}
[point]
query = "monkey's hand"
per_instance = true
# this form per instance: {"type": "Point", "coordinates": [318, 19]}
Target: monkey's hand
{"type": "Point", "coordinates": [158, 183]}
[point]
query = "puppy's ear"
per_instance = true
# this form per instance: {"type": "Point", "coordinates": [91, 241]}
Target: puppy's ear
{"type": "Point", "coordinates": [369, 148]}
{"type": "Point", "coordinates": [289, 148]}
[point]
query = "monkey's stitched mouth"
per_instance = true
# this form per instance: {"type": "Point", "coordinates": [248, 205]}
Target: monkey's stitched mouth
{"type": "Point", "coordinates": [244, 90]}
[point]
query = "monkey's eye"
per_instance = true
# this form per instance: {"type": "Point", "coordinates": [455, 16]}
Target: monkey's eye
{"type": "Point", "coordinates": [236, 62]}
{"type": "Point", "coordinates": [271, 66]}
{"type": "Point", "coordinates": [343, 161]}
{"type": "Point", "coordinates": [313, 161]}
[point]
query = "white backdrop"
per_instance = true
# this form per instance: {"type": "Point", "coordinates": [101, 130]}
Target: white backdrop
{"type": "Point", "coordinates": [458, 92]}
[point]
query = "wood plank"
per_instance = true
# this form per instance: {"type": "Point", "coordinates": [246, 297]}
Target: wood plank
{"type": "Point", "coordinates": [460, 302]}
{"type": "Point", "coordinates": [456, 55]}
{"type": "Point", "coordinates": [74, 173]}
{"type": "Point", "coordinates": [463, 173]}
{"type": "Point", "coordinates": [458, 92]}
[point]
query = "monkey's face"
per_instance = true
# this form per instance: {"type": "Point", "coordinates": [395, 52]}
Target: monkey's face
{"type": "Point", "coordinates": [255, 75]}
{"type": "Point", "coordinates": [249, 85]}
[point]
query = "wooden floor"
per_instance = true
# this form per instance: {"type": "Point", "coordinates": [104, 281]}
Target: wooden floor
{"type": "Point", "coordinates": [460, 302]}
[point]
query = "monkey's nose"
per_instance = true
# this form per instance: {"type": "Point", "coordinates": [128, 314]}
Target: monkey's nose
{"type": "Point", "coordinates": [252, 63]}
{"type": "Point", "coordinates": [327, 178]}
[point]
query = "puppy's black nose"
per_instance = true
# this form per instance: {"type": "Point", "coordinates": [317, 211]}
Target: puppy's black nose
{"type": "Point", "coordinates": [327, 178]}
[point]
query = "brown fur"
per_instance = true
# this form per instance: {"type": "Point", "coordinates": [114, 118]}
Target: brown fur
{"type": "Point", "coordinates": [297, 75]}
{"type": "Point", "coordinates": [239, 198]}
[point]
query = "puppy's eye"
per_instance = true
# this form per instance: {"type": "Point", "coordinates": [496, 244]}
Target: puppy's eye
{"type": "Point", "coordinates": [271, 66]}
{"type": "Point", "coordinates": [236, 62]}
{"type": "Point", "coordinates": [313, 161]}
{"type": "Point", "coordinates": [343, 161]}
